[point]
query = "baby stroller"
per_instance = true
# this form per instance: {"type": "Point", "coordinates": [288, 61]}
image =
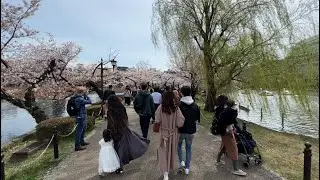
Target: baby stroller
{"type": "Point", "coordinates": [246, 146]}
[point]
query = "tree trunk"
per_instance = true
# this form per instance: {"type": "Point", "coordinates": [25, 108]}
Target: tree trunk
{"type": "Point", "coordinates": [210, 98]}
{"type": "Point", "coordinates": [29, 105]}
{"type": "Point", "coordinates": [38, 114]}
{"type": "Point", "coordinates": [210, 78]}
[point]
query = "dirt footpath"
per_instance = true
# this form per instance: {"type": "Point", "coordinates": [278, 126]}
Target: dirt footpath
{"type": "Point", "coordinates": [83, 165]}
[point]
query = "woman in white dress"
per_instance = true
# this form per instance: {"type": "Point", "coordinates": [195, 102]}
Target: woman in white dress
{"type": "Point", "coordinates": [108, 157]}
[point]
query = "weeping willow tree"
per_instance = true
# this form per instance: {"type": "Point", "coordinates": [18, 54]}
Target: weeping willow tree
{"type": "Point", "coordinates": [234, 37]}
{"type": "Point", "coordinates": [185, 59]}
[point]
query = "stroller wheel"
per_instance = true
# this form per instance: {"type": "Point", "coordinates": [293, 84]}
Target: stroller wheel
{"type": "Point", "coordinates": [258, 161]}
{"type": "Point", "coordinates": [246, 164]}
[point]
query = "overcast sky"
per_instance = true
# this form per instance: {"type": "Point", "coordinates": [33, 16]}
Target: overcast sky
{"type": "Point", "coordinates": [98, 25]}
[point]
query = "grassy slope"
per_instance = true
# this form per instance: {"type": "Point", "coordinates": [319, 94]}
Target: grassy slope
{"type": "Point", "coordinates": [26, 171]}
{"type": "Point", "coordinates": [281, 152]}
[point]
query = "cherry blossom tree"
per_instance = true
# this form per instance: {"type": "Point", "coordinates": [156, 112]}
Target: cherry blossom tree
{"type": "Point", "coordinates": [40, 70]}
{"type": "Point", "coordinates": [13, 27]}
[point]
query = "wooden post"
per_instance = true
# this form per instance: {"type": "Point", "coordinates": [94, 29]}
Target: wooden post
{"type": "Point", "coordinates": [2, 166]}
{"type": "Point", "coordinates": [55, 143]}
{"type": "Point", "coordinates": [261, 115]}
{"type": "Point", "coordinates": [307, 161]}
{"type": "Point", "coordinates": [282, 120]}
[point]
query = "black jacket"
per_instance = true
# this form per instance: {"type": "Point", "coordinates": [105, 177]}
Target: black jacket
{"type": "Point", "coordinates": [143, 104]}
{"type": "Point", "coordinates": [218, 111]}
{"type": "Point", "coordinates": [107, 93]}
{"type": "Point", "coordinates": [191, 114]}
{"type": "Point", "coordinates": [229, 116]}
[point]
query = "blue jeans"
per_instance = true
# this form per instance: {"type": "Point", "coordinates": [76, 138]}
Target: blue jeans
{"type": "Point", "coordinates": [188, 140]}
{"type": "Point", "coordinates": [80, 131]}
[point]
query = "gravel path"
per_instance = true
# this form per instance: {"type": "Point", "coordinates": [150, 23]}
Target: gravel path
{"type": "Point", "coordinates": [83, 165]}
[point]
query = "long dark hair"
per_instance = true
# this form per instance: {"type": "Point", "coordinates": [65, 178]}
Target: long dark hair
{"type": "Point", "coordinates": [168, 102]}
{"type": "Point", "coordinates": [106, 134]}
{"type": "Point", "coordinates": [221, 100]}
{"type": "Point", "coordinates": [117, 116]}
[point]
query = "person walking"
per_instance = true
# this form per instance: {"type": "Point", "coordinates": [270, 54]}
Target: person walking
{"type": "Point", "coordinates": [228, 118]}
{"type": "Point", "coordinates": [81, 99]}
{"type": "Point", "coordinates": [143, 105]}
{"type": "Point", "coordinates": [127, 96]}
{"type": "Point", "coordinates": [220, 106]}
{"type": "Point", "coordinates": [157, 97]}
{"type": "Point", "coordinates": [134, 92]}
{"type": "Point", "coordinates": [128, 144]}
{"type": "Point", "coordinates": [108, 157]}
{"type": "Point", "coordinates": [191, 113]}
{"type": "Point", "coordinates": [169, 117]}
{"type": "Point", "coordinates": [108, 92]}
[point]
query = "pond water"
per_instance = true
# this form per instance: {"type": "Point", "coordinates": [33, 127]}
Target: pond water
{"type": "Point", "coordinates": [16, 121]}
{"type": "Point", "coordinates": [295, 119]}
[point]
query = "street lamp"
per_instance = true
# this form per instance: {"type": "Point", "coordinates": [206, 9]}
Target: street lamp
{"type": "Point", "coordinates": [113, 63]}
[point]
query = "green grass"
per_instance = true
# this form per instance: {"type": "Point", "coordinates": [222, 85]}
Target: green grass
{"type": "Point", "coordinates": [281, 152]}
{"type": "Point", "coordinates": [30, 170]}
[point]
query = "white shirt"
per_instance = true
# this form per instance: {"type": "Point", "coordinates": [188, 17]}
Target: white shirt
{"type": "Point", "coordinates": [156, 97]}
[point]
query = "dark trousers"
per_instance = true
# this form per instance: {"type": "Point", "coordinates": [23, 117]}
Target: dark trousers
{"type": "Point", "coordinates": [144, 124]}
{"type": "Point", "coordinates": [127, 100]}
{"type": "Point", "coordinates": [80, 131]}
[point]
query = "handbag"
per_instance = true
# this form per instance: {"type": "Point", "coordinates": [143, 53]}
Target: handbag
{"type": "Point", "coordinates": [156, 127]}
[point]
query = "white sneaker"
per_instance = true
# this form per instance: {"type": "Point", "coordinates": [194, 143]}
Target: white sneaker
{"type": "Point", "coordinates": [182, 164]}
{"type": "Point", "coordinates": [166, 176]}
{"type": "Point", "coordinates": [220, 163]}
{"type": "Point", "coordinates": [239, 172]}
{"type": "Point", "coordinates": [186, 171]}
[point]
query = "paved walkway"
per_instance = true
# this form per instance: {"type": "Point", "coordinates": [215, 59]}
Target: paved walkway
{"type": "Point", "coordinates": [83, 165]}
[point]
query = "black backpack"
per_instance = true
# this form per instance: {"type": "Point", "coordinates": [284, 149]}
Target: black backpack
{"type": "Point", "coordinates": [72, 110]}
{"type": "Point", "coordinates": [218, 128]}
{"type": "Point", "coordinates": [214, 127]}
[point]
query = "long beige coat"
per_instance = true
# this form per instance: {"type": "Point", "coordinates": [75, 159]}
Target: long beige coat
{"type": "Point", "coordinates": [167, 151]}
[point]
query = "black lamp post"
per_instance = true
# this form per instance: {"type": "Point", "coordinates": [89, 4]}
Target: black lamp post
{"type": "Point", "coordinates": [113, 63]}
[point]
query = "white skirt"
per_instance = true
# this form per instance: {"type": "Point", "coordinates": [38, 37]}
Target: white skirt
{"type": "Point", "coordinates": [108, 160]}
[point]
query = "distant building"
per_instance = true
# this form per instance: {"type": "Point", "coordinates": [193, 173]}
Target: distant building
{"type": "Point", "coordinates": [122, 68]}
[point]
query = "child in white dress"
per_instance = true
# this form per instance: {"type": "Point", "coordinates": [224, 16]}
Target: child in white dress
{"type": "Point", "coordinates": [108, 157]}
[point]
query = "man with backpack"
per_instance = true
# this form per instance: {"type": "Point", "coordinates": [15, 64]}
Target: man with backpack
{"type": "Point", "coordinates": [143, 105]}
{"type": "Point", "coordinates": [191, 113]}
{"type": "Point", "coordinates": [77, 107]}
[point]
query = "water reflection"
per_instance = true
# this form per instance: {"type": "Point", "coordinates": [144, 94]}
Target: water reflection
{"type": "Point", "coordinates": [295, 120]}
{"type": "Point", "coordinates": [16, 121]}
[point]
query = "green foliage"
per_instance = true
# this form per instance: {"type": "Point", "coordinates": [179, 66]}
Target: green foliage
{"type": "Point", "coordinates": [238, 42]}
{"type": "Point", "coordinates": [64, 125]}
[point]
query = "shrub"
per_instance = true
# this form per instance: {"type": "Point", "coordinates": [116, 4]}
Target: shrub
{"type": "Point", "coordinates": [93, 109]}
{"type": "Point", "coordinates": [64, 125]}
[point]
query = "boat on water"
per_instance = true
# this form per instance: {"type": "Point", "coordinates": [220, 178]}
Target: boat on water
{"type": "Point", "coordinates": [266, 93]}
{"type": "Point", "coordinates": [246, 109]}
